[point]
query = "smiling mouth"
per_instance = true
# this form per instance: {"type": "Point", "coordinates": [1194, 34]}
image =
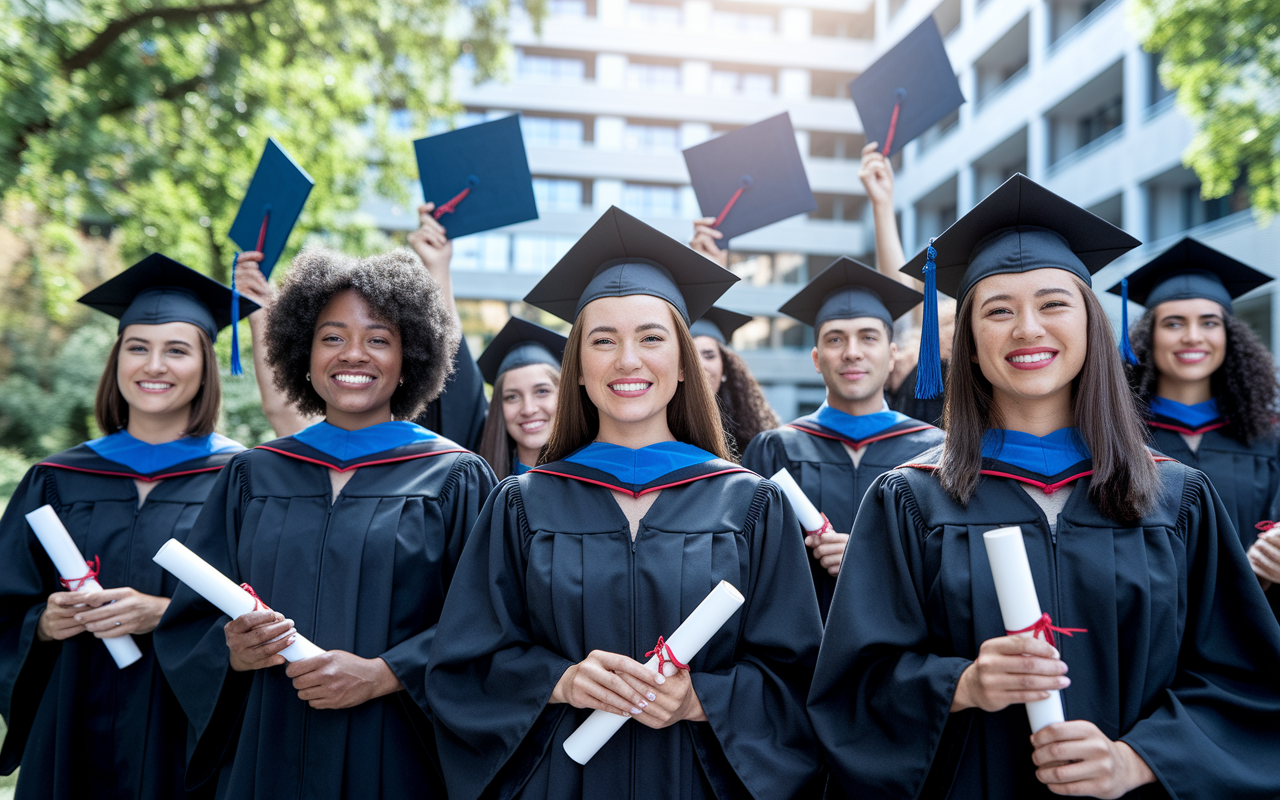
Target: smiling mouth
{"type": "Point", "coordinates": [1036, 360]}
{"type": "Point", "coordinates": [1191, 356]}
{"type": "Point", "coordinates": [630, 388]}
{"type": "Point", "coordinates": [354, 381]}
{"type": "Point", "coordinates": [533, 426]}
{"type": "Point", "coordinates": [154, 386]}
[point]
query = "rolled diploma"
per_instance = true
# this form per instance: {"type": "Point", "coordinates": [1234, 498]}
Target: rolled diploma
{"type": "Point", "coordinates": [808, 514]}
{"type": "Point", "coordinates": [1019, 605]}
{"type": "Point", "coordinates": [692, 635]}
{"type": "Point", "coordinates": [218, 589]}
{"type": "Point", "coordinates": [70, 563]}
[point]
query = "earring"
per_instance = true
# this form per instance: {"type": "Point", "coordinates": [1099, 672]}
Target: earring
{"type": "Point", "coordinates": [402, 381]}
{"type": "Point", "coordinates": [308, 377]}
{"type": "Point", "coordinates": [724, 378]}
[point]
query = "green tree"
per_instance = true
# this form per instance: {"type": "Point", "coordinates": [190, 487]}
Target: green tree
{"type": "Point", "coordinates": [1223, 59]}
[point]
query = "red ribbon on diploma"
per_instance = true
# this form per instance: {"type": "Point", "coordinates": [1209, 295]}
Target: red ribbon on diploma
{"type": "Point", "coordinates": [76, 584]}
{"type": "Point", "coordinates": [258, 604]}
{"type": "Point", "coordinates": [1045, 629]}
{"type": "Point", "coordinates": [663, 651]}
{"type": "Point", "coordinates": [826, 526]}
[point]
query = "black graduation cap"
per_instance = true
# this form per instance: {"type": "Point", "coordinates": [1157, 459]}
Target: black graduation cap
{"type": "Point", "coordinates": [907, 89]}
{"type": "Point", "coordinates": [849, 289]}
{"type": "Point", "coordinates": [750, 177]}
{"type": "Point", "coordinates": [271, 205]}
{"type": "Point", "coordinates": [158, 289]}
{"type": "Point", "coordinates": [519, 344]}
{"type": "Point", "coordinates": [719, 323]}
{"type": "Point", "coordinates": [477, 176]}
{"type": "Point", "coordinates": [1019, 227]}
{"type": "Point", "coordinates": [620, 256]}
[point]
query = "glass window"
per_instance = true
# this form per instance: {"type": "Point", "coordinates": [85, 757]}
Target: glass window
{"type": "Point", "coordinates": [741, 23]}
{"type": "Point", "coordinates": [551, 131]}
{"type": "Point", "coordinates": [653, 77]}
{"type": "Point", "coordinates": [550, 69]}
{"type": "Point", "coordinates": [538, 253]}
{"type": "Point", "coordinates": [567, 8]}
{"type": "Point", "coordinates": [653, 15]}
{"type": "Point", "coordinates": [747, 84]}
{"type": "Point", "coordinates": [651, 138]}
{"type": "Point", "coordinates": [650, 200]}
{"type": "Point", "coordinates": [485, 252]}
{"type": "Point", "coordinates": [557, 195]}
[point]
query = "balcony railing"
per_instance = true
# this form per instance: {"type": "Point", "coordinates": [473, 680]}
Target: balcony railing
{"type": "Point", "coordinates": [1083, 152]}
{"type": "Point", "coordinates": [1081, 26]}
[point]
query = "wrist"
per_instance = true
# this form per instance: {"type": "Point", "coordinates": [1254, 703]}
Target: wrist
{"type": "Point", "coordinates": [42, 633]}
{"type": "Point", "coordinates": [961, 700]}
{"type": "Point", "coordinates": [560, 694]}
{"type": "Point", "coordinates": [388, 682]}
{"type": "Point", "coordinates": [1139, 773]}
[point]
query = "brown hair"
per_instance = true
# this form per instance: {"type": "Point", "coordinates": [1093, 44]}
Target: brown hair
{"type": "Point", "coordinates": [743, 407]}
{"type": "Point", "coordinates": [1124, 483]}
{"type": "Point", "coordinates": [692, 414]}
{"type": "Point", "coordinates": [111, 410]}
{"type": "Point", "coordinates": [496, 445]}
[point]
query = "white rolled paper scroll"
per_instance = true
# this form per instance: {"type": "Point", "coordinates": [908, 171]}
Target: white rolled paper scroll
{"type": "Point", "coordinates": [692, 635]}
{"type": "Point", "coordinates": [808, 514]}
{"type": "Point", "coordinates": [70, 563]}
{"type": "Point", "coordinates": [1019, 605]}
{"type": "Point", "coordinates": [218, 589]}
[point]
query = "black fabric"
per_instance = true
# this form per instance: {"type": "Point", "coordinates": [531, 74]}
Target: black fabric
{"type": "Point", "coordinates": [79, 726]}
{"type": "Point", "coordinates": [1191, 269]}
{"type": "Point", "coordinates": [904, 400]}
{"type": "Point", "coordinates": [367, 574]}
{"type": "Point", "coordinates": [545, 581]}
{"type": "Point", "coordinates": [849, 289]}
{"type": "Point", "coordinates": [819, 463]}
{"type": "Point", "coordinates": [459, 412]}
{"type": "Point", "coordinates": [1179, 658]}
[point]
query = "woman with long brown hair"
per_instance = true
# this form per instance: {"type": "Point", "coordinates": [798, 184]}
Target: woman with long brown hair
{"type": "Point", "coordinates": [1133, 559]}
{"type": "Point", "coordinates": [522, 364]}
{"type": "Point", "coordinates": [577, 568]}
{"type": "Point", "coordinates": [744, 411]}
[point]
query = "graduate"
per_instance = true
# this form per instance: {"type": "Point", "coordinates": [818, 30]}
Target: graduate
{"type": "Point", "coordinates": [835, 453]}
{"type": "Point", "coordinates": [522, 364]}
{"type": "Point", "coordinates": [78, 725]}
{"type": "Point", "coordinates": [1165, 650]}
{"type": "Point", "coordinates": [576, 568]}
{"type": "Point", "coordinates": [1210, 397]}
{"type": "Point", "coordinates": [351, 527]}
{"type": "Point", "coordinates": [744, 411]}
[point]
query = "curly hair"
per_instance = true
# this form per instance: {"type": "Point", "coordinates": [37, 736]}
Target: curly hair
{"type": "Point", "coordinates": [399, 291]}
{"type": "Point", "coordinates": [743, 408]}
{"type": "Point", "coordinates": [1247, 396]}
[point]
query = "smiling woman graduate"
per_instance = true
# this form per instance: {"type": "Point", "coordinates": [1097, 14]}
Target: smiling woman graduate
{"type": "Point", "coordinates": [353, 527]}
{"type": "Point", "coordinates": [578, 567]}
{"type": "Point", "coordinates": [1172, 656]}
{"type": "Point", "coordinates": [522, 363]}
{"type": "Point", "coordinates": [79, 726]}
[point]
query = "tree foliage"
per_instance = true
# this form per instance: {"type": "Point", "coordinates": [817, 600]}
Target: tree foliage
{"type": "Point", "coordinates": [1223, 59]}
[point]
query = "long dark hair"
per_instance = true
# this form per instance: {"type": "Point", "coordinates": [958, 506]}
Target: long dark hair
{"type": "Point", "coordinates": [692, 414]}
{"type": "Point", "coordinates": [744, 410]}
{"type": "Point", "coordinates": [496, 445]}
{"type": "Point", "coordinates": [1246, 390]}
{"type": "Point", "coordinates": [1124, 483]}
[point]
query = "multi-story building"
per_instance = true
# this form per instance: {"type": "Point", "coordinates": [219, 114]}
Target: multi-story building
{"type": "Point", "coordinates": [611, 91]}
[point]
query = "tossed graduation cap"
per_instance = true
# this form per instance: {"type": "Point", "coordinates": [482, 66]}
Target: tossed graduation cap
{"type": "Point", "coordinates": [750, 177]}
{"type": "Point", "coordinates": [477, 176]}
{"type": "Point", "coordinates": [849, 289]}
{"type": "Point", "coordinates": [1185, 271]}
{"type": "Point", "coordinates": [621, 256]}
{"type": "Point", "coordinates": [1019, 227]}
{"type": "Point", "coordinates": [719, 323]}
{"type": "Point", "coordinates": [907, 89]}
{"type": "Point", "coordinates": [519, 344]}
{"type": "Point", "coordinates": [158, 289]}
{"type": "Point", "coordinates": [271, 205]}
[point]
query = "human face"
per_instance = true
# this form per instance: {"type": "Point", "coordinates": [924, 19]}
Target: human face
{"type": "Point", "coordinates": [855, 357]}
{"type": "Point", "coordinates": [630, 367]}
{"type": "Point", "coordinates": [1030, 333]}
{"type": "Point", "coordinates": [355, 362]}
{"type": "Point", "coordinates": [712, 364]}
{"type": "Point", "coordinates": [528, 406]}
{"type": "Point", "coordinates": [160, 369]}
{"type": "Point", "coordinates": [1189, 342]}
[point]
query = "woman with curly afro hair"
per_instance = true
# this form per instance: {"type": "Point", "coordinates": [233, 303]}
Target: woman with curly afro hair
{"type": "Point", "coordinates": [743, 408]}
{"type": "Point", "coordinates": [353, 527]}
{"type": "Point", "coordinates": [1209, 387]}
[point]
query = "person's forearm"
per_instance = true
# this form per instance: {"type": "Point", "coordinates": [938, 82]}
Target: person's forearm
{"type": "Point", "coordinates": [889, 254]}
{"type": "Point", "coordinates": [283, 417]}
{"type": "Point", "coordinates": [445, 279]}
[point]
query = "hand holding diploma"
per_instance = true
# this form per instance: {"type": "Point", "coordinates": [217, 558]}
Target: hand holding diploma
{"type": "Point", "coordinates": [826, 546]}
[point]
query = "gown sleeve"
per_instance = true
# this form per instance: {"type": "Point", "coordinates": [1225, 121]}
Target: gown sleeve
{"type": "Point", "coordinates": [1216, 729]}
{"type": "Point", "coordinates": [880, 701]}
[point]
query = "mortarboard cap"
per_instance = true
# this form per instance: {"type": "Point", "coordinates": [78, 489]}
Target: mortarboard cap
{"type": "Point", "coordinates": [477, 176]}
{"type": "Point", "coordinates": [1019, 227]}
{"type": "Point", "coordinates": [271, 205]}
{"type": "Point", "coordinates": [719, 323]}
{"type": "Point", "coordinates": [907, 89]}
{"type": "Point", "coordinates": [1185, 271]}
{"type": "Point", "coordinates": [848, 289]}
{"type": "Point", "coordinates": [158, 289]}
{"type": "Point", "coordinates": [621, 256]}
{"type": "Point", "coordinates": [750, 177]}
{"type": "Point", "coordinates": [519, 344]}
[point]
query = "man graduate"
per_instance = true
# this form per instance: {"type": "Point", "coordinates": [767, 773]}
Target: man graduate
{"type": "Point", "coordinates": [835, 453]}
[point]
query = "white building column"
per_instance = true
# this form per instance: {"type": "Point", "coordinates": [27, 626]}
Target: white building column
{"type": "Point", "coordinates": [604, 193]}
{"type": "Point", "coordinates": [965, 190]}
{"type": "Point", "coordinates": [1135, 212]}
{"type": "Point", "coordinates": [795, 24]}
{"type": "Point", "coordinates": [1037, 147]}
{"type": "Point", "coordinates": [611, 71]}
{"type": "Point", "coordinates": [695, 77]}
{"type": "Point", "coordinates": [609, 133]}
{"type": "Point", "coordinates": [612, 12]}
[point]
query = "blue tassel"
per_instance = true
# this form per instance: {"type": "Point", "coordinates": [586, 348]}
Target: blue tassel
{"type": "Point", "coordinates": [1126, 349]}
{"type": "Point", "coordinates": [236, 369]}
{"type": "Point", "coordinates": [929, 367]}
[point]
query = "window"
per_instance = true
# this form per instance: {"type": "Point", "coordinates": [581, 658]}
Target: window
{"type": "Point", "coordinates": [1105, 118]}
{"type": "Point", "coordinates": [567, 8]}
{"type": "Point", "coordinates": [550, 69]}
{"type": "Point", "coordinates": [557, 195]}
{"type": "Point", "coordinates": [738, 22]}
{"type": "Point", "coordinates": [485, 252]}
{"type": "Point", "coordinates": [1155, 88]}
{"type": "Point", "coordinates": [653, 15]}
{"type": "Point", "coordinates": [747, 84]}
{"type": "Point", "coordinates": [538, 253]}
{"type": "Point", "coordinates": [651, 138]}
{"type": "Point", "coordinates": [653, 77]}
{"type": "Point", "coordinates": [650, 200]}
{"type": "Point", "coordinates": [551, 131]}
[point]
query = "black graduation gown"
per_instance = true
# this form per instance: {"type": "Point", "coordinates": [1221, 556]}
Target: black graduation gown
{"type": "Point", "coordinates": [551, 574]}
{"type": "Point", "coordinates": [366, 574]}
{"type": "Point", "coordinates": [904, 400]}
{"type": "Point", "coordinates": [816, 458]}
{"type": "Point", "coordinates": [1179, 660]}
{"type": "Point", "coordinates": [79, 726]}
{"type": "Point", "coordinates": [459, 413]}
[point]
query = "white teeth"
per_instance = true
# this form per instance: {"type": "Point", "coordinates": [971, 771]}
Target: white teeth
{"type": "Point", "coordinates": [630, 387]}
{"type": "Point", "coordinates": [1192, 356]}
{"type": "Point", "coordinates": [152, 385]}
{"type": "Point", "coordinates": [1031, 359]}
{"type": "Point", "coordinates": [536, 425]}
{"type": "Point", "coordinates": [354, 380]}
